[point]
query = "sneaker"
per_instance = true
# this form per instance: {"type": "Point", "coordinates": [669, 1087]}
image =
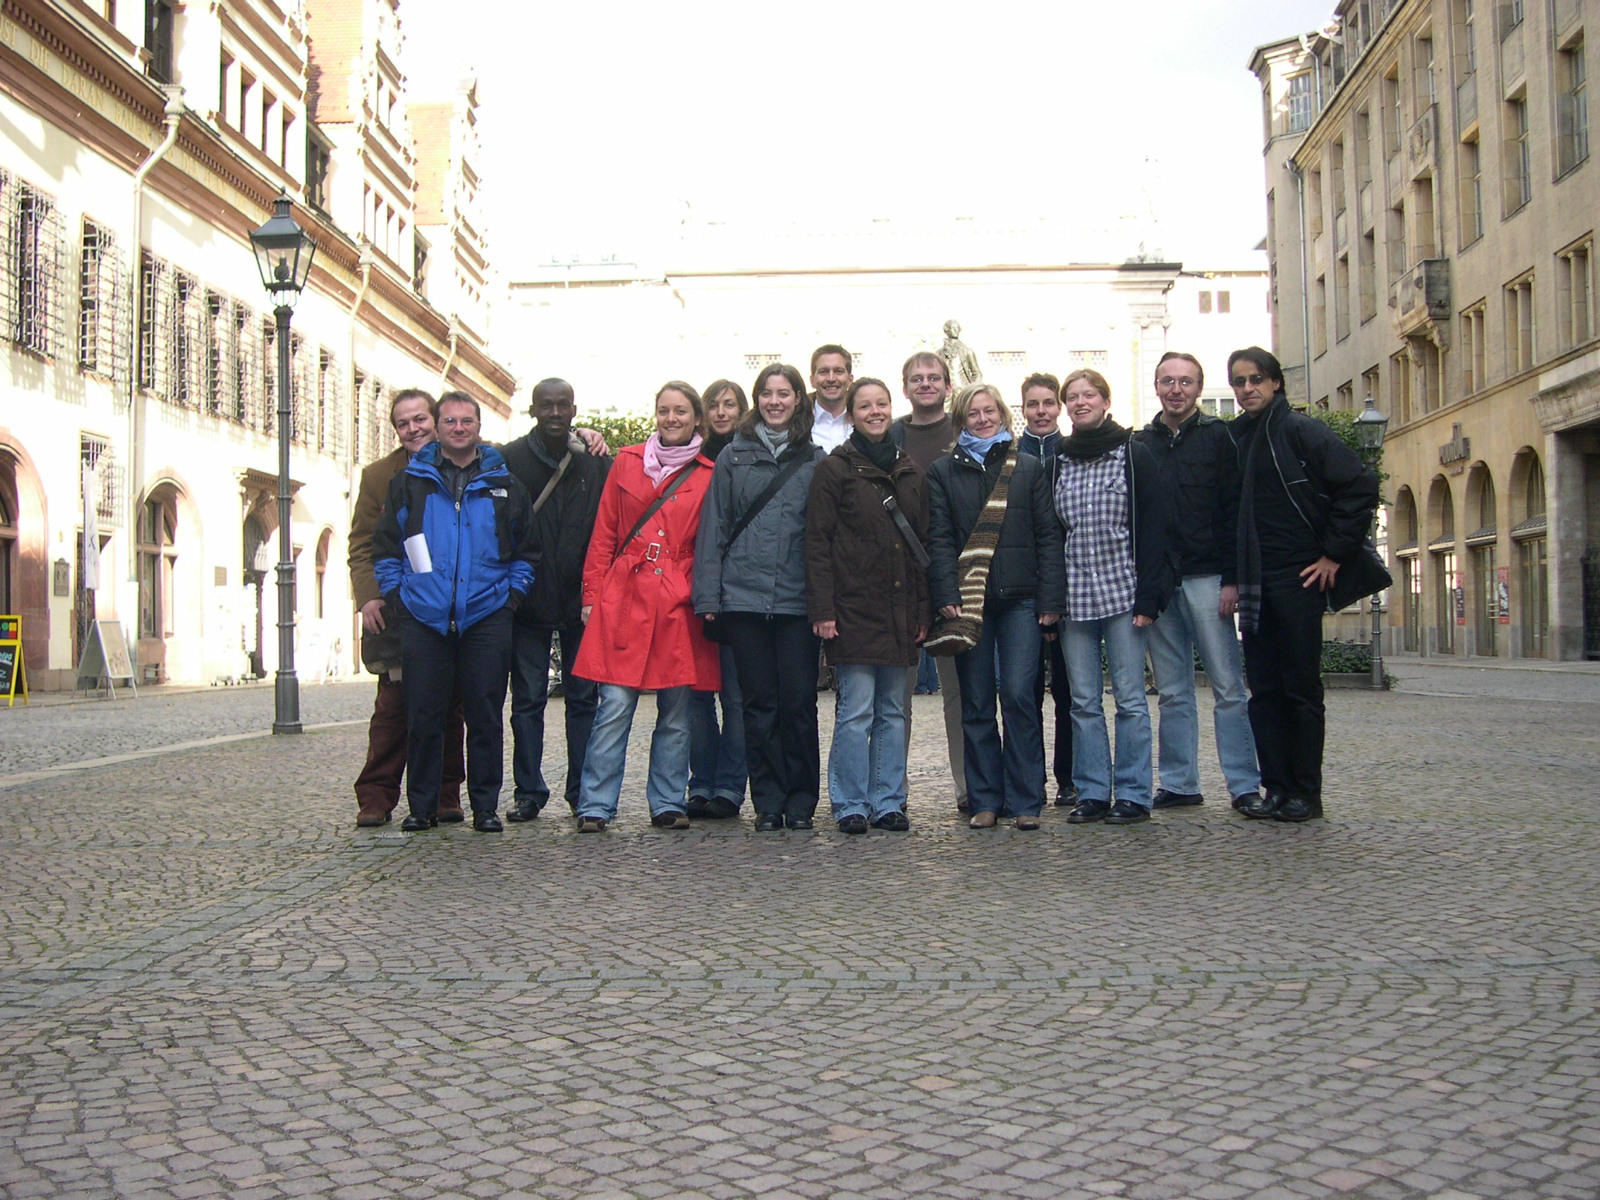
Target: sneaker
{"type": "Point", "coordinates": [670, 820]}
{"type": "Point", "coordinates": [1166, 799]}
{"type": "Point", "coordinates": [1088, 810]}
{"type": "Point", "coordinates": [854, 823]}
{"type": "Point", "coordinates": [591, 824]}
{"type": "Point", "coordinates": [894, 822]}
{"type": "Point", "coordinates": [1126, 812]}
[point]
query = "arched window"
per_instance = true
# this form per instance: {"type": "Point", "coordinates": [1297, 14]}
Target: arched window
{"type": "Point", "coordinates": [1447, 605]}
{"type": "Point", "coordinates": [323, 543]}
{"type": "Point", "coordinates": [157, 552]}
{"type": "Point", "coordinates": [1483, 556]}
{"type": "Point", "coordinates": [1528, 533]}
{"type": "Point", "coordinates": [1408, 564]}
{"type": "Point", "coordinates": [8, 535]}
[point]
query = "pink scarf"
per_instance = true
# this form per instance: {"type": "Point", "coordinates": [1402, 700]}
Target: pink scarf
{"type": "Point", "coordinates": [661, 461]}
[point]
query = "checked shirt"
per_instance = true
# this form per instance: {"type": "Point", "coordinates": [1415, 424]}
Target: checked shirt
{"type": "Point", "coordinates": [1092, 501]}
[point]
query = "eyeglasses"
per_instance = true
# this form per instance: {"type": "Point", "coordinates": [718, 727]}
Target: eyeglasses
{"type": "Point", "coordinates": [1176, 380]}
{"type": "Point", "coordinates": [458, 422]}
{"type": "Point", "coordinates": [1248, 380]}
{"type": "Point", "coordinates": [926, 379]}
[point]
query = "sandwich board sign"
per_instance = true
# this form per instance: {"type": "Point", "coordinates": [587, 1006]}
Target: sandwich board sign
{"type": "Point", "coordinates": [13, 671]}
{"type": "Point", "coordinates": [105, 660]}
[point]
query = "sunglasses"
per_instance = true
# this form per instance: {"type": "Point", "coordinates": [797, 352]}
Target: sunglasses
{"type": "Point", "coordinates": [1249, 380]}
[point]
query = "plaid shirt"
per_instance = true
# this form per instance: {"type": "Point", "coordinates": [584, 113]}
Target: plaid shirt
{"type": "Point", "coordinates": [1092, 501]}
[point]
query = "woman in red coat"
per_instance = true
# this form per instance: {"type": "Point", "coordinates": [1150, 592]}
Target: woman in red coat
{"type": "Point", "coordinates": [640, 631]}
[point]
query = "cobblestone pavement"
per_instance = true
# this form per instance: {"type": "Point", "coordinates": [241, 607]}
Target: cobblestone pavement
{"type": "Point", "coordinates": [211, 984]}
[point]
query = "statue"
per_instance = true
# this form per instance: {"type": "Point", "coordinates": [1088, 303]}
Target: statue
{"type": "Point", "coordinates": [961, 364]}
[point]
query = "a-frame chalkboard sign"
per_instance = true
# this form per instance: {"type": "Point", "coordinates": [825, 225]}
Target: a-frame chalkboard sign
{"type": "Point", "coordinates": [13, 671]}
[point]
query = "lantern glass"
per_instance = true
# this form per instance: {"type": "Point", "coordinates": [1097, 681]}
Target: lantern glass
{"type": "Point", "coordinates": [1370, 426]}
{"type": "Point", "coordinates": [284, 253]}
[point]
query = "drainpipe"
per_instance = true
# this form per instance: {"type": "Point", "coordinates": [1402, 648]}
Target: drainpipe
{"type": "Point", "coordinates": [173, 115]}
{"type": "Point", "coordinates": [1305, 275]}
{"type": "Point", "coordinates": [450, 359]}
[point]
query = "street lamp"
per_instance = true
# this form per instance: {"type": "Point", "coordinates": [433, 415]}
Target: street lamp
{"type": "Point", "coordinates": [283, 254]}
{"type": "Point", "coordinates": [1370, 427]}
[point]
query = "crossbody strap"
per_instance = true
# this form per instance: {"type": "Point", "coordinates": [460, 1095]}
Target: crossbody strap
{"type": "Point", "coordinates": [544, 493]}
{"type": "Point", "coordinates": [772, 489]}
{"type": "Point", "coordinates": [655, 506]}
{"type": "Point", "coordinates": [906, 532]}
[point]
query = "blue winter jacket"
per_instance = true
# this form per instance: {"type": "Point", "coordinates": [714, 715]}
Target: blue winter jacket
{"type": "Point", "coordinates": [479, 553]}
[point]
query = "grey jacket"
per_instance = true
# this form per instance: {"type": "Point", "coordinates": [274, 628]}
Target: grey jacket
{"type": "Point", "coordinates": [764, 571]}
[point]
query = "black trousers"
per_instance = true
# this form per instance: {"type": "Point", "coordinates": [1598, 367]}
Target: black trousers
{"type": "Point", "coordinates": [776, 658]}
{"type": "Point", "coordinates": [1054, 667]}
{"type": "Point", "coordinates": [1283, 665]}
{"type": "Point", "coordinates": [476, 663]}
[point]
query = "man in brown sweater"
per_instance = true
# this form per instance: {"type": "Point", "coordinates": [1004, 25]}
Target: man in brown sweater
{"type": "Point", "coordinates": [412, 413]}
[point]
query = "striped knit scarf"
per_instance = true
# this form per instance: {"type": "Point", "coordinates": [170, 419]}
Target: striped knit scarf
{"type": "Point", "coordinates": [956, 635]}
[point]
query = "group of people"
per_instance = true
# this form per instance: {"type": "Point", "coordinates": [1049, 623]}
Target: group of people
{"type": "Point", "coordinates": [712, 563]}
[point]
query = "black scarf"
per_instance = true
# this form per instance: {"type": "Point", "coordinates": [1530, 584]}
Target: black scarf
{"type": "Point", "coordinates": [1258, 432]}
{"type": "Point", "coordinates": [714, 444]}
{"type": "Point", "coordinates": [1086, 444]}
{"type": "Point", "coordinates": [880, 454]}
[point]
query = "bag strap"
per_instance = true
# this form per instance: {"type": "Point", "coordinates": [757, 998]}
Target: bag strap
{"type": "Point", "coordinates": [655, 506]}
{"type": "Point", "coordinates": [906, 532]}
{"type": "Point", "coordinates": [544, 494]}
{"type": "Point", "coordinates": [772, 489]}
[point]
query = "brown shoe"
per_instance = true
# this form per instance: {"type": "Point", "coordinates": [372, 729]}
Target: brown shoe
{"type": "Point", "coordinates": [1026, 823]}
{"type": "Point", "coordinates": [451, 816]}
{"type": "Point", "coordinates": [371, 814]}
{"type": "Point", "coordinates": [982, 820]}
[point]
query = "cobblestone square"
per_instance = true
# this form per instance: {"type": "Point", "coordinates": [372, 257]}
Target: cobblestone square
{"type": "Point", "coordinates": [214, 985]}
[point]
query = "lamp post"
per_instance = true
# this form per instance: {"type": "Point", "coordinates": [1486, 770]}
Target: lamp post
{"type": "Point", "coordinates": [1370, 427]}
{"type": "Point", "coordinates": [283, 254]}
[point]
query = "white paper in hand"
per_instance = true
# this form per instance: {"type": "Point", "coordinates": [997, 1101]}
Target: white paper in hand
{"type": "Point", "coordinates": [417, 554]}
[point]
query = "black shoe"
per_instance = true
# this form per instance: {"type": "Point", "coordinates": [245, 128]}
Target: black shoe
{"type": "Point", "coordinates": [855, 823]}
{"type": "Point", "coordinates": [697, 807]}
{"type": "Point", "coordinates": [1244, 798]}
{"type": "Point", "coordinates": [487, 823]}
{"type": "Point", "coordinates": [450, 816]}
{"type": "Point", "coordinates": [416, 824]}
{"type": "Point", "coordinates": [670, 820]}
{"type": "Point", "coordinates": [894, 822]}
{"type": "Point", "coordinates": [1260, 807]}
{"type": "Point", "coordinates": [1088, 810]}
{"type": "Point", "coordinates": [800, 823]}
{"type": "Point", "coordinates": [1066, 797]}
{"type": "Point", "coordinates": [1166, 799]}
{"type": "Point", "coordinates": [1126, 812]}
{"type": "Point", "coordinates": [769, 823]}
{"type": "Point", "coordinates": [718, 808]}
{"type": "Point", "coordinates": [1295, 809]}
{"type": "Point", "coordinates": [523, 810]}
{"type": "Point", "coordinates": [591, 824]}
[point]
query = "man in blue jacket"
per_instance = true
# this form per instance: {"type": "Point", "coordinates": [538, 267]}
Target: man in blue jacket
{"type": "Point", "coordinates": [453, 553]}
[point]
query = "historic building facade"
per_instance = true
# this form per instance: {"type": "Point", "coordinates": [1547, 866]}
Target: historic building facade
{"type": "Point", "coordinates": [144, 142]}
{"type": "Point", "coordinates": [1431, 214]}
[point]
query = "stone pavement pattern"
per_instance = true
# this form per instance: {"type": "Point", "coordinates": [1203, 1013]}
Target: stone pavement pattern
{"type": "Point", "coordinates": [212, 985]}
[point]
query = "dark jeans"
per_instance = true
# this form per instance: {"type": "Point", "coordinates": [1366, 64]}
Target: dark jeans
{"type": "Point", "coordinates": [378, 785]}
{"type": "Point", "coordinates": [1053, 674]}
{"type": "Point", "coordinates": [530, 693]}
{"type": "Point", "coordinates": [927, 674]}
{"type": "Point", "coordinates": [1003, 775]}
{"type": "Point", "coordinates": [716, 750]}
{"type": "Point", "coordinates": [777, 664]}
{"type": "Point", "coordinates": [1283, 665]}
{"type": "Point", "coordinates": [476, 662]}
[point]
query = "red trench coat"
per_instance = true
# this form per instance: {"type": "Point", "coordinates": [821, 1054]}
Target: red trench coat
{"type": "Point", "coordinates": [642, 632]}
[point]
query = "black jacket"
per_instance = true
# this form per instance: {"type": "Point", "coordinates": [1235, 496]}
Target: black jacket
{"type": "Point", "coordinates": [1027, 562]}
{"type": "Point", "coordinates": [1334, 492]}
{"type": "Point", "coordinates": [1199, 468]}
{"type": "Point", "coordinates": [561, 530]}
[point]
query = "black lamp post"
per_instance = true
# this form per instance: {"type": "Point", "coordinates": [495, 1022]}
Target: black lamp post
{"type": "Point", "coordinates": [1370, 427]}
{"type": "Point", "coordinates": [283, 254]}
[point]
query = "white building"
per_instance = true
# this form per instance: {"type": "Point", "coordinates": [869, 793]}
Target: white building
{"type": "Point", "coordinates": [144, 143]}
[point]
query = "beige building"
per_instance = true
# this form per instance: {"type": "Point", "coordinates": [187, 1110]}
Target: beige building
{"type": "Point", "coordinates": [1431, 216]}
{"type": "Point", "coordinates": [144, 141]}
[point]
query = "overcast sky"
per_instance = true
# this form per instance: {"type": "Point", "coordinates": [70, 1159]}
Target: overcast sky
{"type": "Point", "coordinates": [613, 129]}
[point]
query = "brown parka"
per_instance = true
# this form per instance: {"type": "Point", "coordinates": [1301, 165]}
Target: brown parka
{"type": "Point", "coordinates": [860, 572]}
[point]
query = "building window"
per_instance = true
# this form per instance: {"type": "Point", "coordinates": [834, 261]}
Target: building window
{"type": "Point", "coordinates": [1575, 293]}
{"type": "Point", "coordinates": [1473, 331]}
{"type": "Point", "coordinates": [155, 326]}
{"type": "Point", "coordinates": [1345, 396]}
{"type": "Point", "coordinates": [1519, 325]}
{"type": "Point", "coordinates": [1372, 384]}
{"type": "Point", "coordinates": [1533, 596]}
{"type": "Point", "coordinates": [1367, 275]}
{"type": "Point", "coordinates": [1096, 359]}
{"type": "Point", "coordinates": [1392, 124]}
{"type": "Point", "coordinates": [99, 303]}
{"type": "Point", "coordinates": [1341, 298]}
{"type": "Point", "coordinates": [318, 159]}
{"type": "Point", "coordinates": [1016, 359]}
{"type": "Point", "coordinates": [160, 20]}
{"type": "Point", "coordinates": [1400, 387]}
{"type": "Point", "coordinates": [1467, 40]}
{"type": "Point", "coordinates": [1471, 163]}
{"type": "Point", "coordinates": [158, 527]}
{"type": "Point", "coordinates": [186, 340]}
{"type": "Point", "coordinates": [323, 543]}
{"type": "Point", "coordinates": [1572, 108]}
{"type": "Point", "coordinates": [1319, 316]}
{"type": "Point", "coordinates": [31, 243]}
{"type": "Point", "coordinates": [96, 453]}
{"type": "Point", "coordinates": [1224, 302]}
{"type": "Point", "coordinates": [1518, 156]}
{"type": "Point", "coordinates": [1395, 243]}
{"type": "Point", "coordinates": [1300, 102]}
{"type": "Point", "coordinates": [1205, 302]}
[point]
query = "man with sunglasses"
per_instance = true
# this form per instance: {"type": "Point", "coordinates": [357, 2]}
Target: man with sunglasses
{"type": "Point", "coordinates": [1200, 468]}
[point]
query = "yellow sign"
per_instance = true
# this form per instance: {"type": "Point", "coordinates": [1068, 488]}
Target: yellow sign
{"type": "Point", "coordinates": [13, 672]}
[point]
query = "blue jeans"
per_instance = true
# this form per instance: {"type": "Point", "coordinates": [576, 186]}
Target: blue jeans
{"type": "Point", "coordinates": [867, 763]}
{"type": "Point", "coordinates": [927, 674]}
{"type": "Point", "coordinates": [607, 758]}
{"type": "Point", "coordinates": [1191, 622]}
{"type": "Point", "coordinates": [716, 755]}
{"type": "Point", "coordinates": [1091, 744]}
{"type": "Point", "coordinates": [530, 693]}
{"type": "Point", "coordinates": [1003, 776]}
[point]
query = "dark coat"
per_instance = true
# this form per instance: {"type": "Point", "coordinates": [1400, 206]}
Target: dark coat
{"type": "Point", "coordinates": [561, 529]}
{"type": "Point", "coordinates": [859, 570]}
{"type": "Point", "coordinates": [1199, 468]}
{"type": "Point", "coordinates": [1027, 563]}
